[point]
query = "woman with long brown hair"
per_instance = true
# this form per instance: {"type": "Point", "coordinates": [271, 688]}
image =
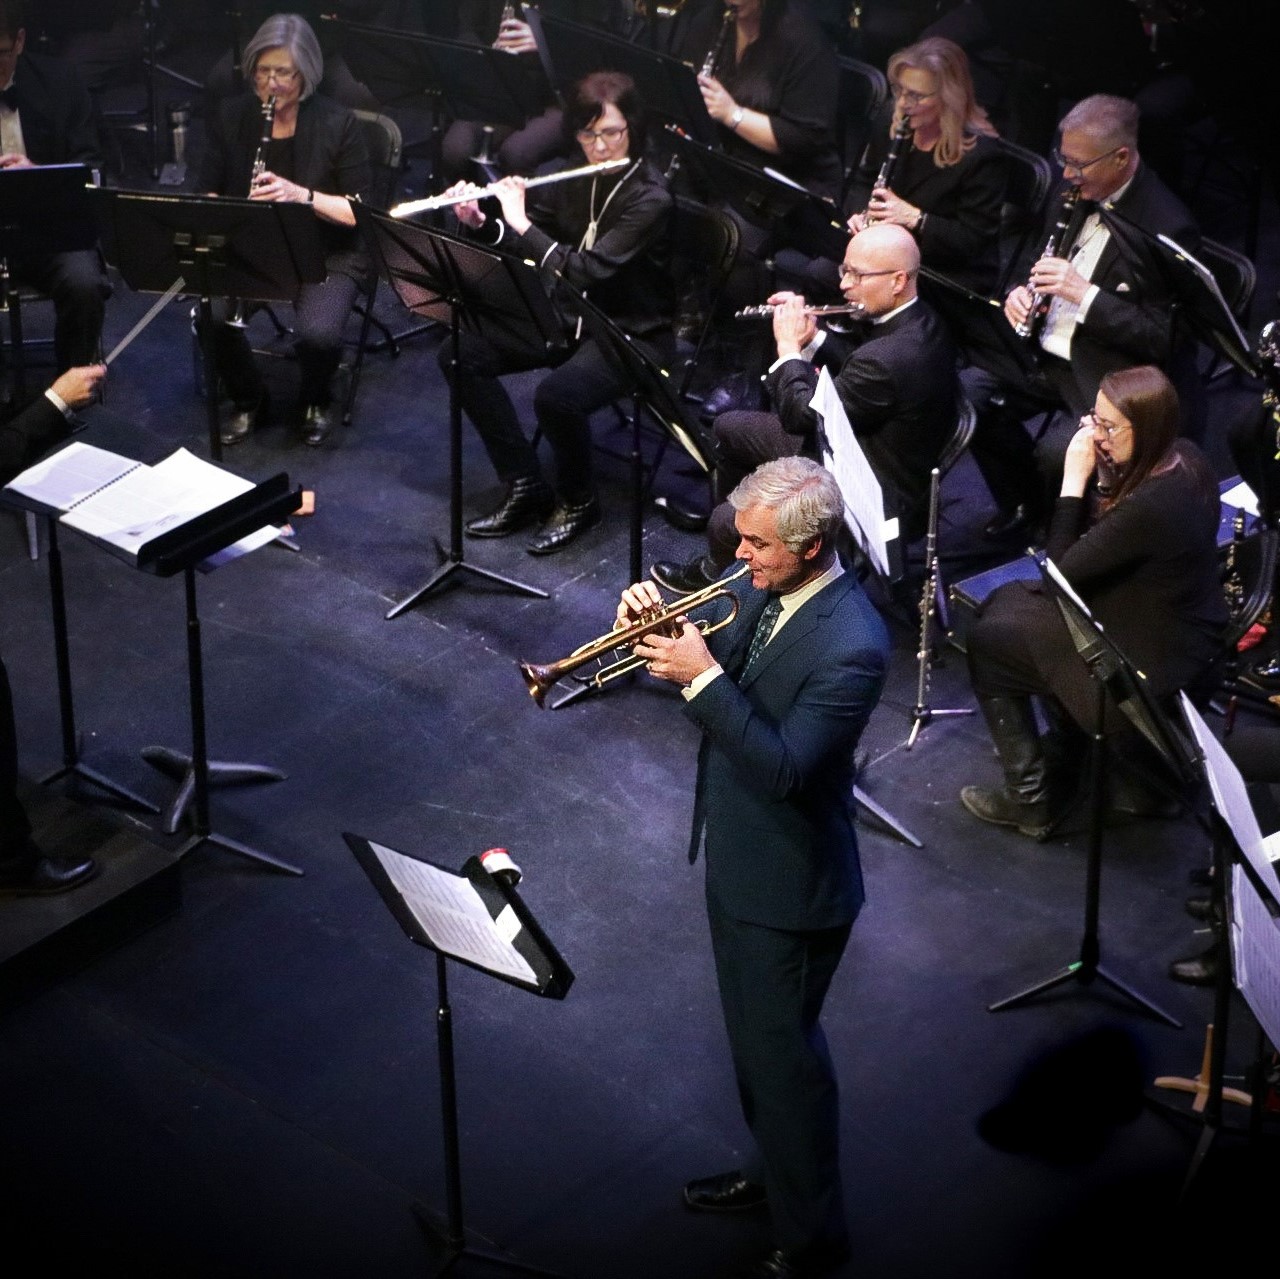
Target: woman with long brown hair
{"type": "Point", "coordinates": [1134, 532]}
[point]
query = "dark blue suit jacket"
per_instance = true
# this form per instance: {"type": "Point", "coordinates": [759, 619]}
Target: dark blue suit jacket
{"type": "Point", "coordinates": [776, 765]}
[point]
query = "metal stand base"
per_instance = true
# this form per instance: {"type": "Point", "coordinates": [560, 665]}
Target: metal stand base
{"type": "Point", "coordinates": [885, 817]}
{"type": "Point", "coordinates": [451, 566]}
{"type": "Point", "coordinates": [100, 780]}
{"type": "Point", "coordinates": [181, 768]}
{"type": "Point", "coordinates": [1085, 973]}
{"type": "Point", "coordinates": [923, 716]}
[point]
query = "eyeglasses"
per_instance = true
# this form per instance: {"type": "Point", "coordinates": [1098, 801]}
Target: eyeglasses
{"type": "Point", "coordinates": [910, 98]}
{"type": "Point", "coordinates": [282, 75]}
{"type": "Point", "coordinates": [1110, 429]}
{"type": "Point", "coordinates": [857, 277]}
{"type": "Point", "coordinates": [1081, 165]}
{"type": "Point", "coordinates": [610, 136]}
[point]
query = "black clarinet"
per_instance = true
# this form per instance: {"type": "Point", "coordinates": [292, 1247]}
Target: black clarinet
{"type": "Point", "coordinates": [1029, 329]}
{"type": "Point", "coordinates": [890, 164]}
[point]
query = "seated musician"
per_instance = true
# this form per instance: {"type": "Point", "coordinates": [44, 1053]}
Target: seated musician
{"type": "Point", "coordinates": [46, 118]}
{"type": "Point", "coordinates": [1134, 532]}
{"type": "Point", "coordinates": [607, 235]}
{"type": "Point", "coordinates": [897, 385]}
{"type": "Point", "coordinates": [315, 156]}
{"type": "Point", "coordinates": [1109, 305]}
{"type": "Point", "coordinates": [24, 869]}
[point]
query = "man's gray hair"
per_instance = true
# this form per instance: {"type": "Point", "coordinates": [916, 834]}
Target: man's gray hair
{"type": "Point", "coordinates": [293, 33]}
{"type": "Point", "coordinates": [804, 497]}
{"type": "Point", "coordinates": [1108, 120]}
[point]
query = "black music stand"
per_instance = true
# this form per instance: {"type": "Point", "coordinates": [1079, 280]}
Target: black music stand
{"type": "Point", "coordinates": [667, 86]}
{"type": "Point", "coordinates": [184, 550]}
{"type": "Point", "coordinates": [221, 247]}
{"type": "Point", "coordinates": [764, 197]}
{"type": "Point", "coordinates": [43, 210]}
{"type": "Point", "coordinates": [416, 892]}
{"type": "Point", "coordinates": [455, 281]}
{"type": "Point", "coordinates": [1114, 676]}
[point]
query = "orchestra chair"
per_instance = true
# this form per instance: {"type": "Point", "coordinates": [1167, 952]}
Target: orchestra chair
{"type": "Point", "coordinates": [705, 243]}
{"type": "Point", "coordinates": [385, 147]}
{"type": "Point", "coordinates": [1237, 278]}
{"type": "Point", "coordinates": [1028, 178]}
{"type": "Point", "coordinates": [862, 93]}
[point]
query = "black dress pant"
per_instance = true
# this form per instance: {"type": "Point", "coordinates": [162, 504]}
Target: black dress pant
{"type": "Point", "coordinates": [320, 320]}
{"type": "Point", "coordinates": [581, 381]}
{"type": "Point", "coordinates": [772, 985]}
{"type": "Point", "coordinates": [79, 288]}
{"type": "Point", "coordinates": [14, 827]}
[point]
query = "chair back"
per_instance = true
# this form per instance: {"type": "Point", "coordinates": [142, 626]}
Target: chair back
{"type": "Point", "coordinates": [966, 424]}
{"type": "Point", "coordinates": [384, 146]}
{"type": "Point", "coordinates": [704, 248]}
{"type": "Point", "coordinates": [861, 95]}
{"type": "Point", "coordinates": [1236, 276]}
{"type": "Point", "coordinates": [1028, 177]}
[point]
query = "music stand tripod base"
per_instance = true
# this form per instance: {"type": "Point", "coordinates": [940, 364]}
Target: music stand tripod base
{"type": "Point", "coordinates": [448, 567]}
{"type": "Point", "coordinates": [181, 768]}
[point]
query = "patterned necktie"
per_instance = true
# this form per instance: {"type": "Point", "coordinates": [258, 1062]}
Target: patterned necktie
{"type": "Point", "coordinates": [764, 629]}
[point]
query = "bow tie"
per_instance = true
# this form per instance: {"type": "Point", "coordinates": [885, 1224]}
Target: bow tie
{"type": "Point", "coordinates": [9, 97]}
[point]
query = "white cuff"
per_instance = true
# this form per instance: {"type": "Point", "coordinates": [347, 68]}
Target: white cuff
{"type": "Point", "coordinates": [701, 681]}
{"type": "Point", "coordinates": [59, 403]}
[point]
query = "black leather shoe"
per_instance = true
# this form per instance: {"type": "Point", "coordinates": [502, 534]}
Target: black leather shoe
{"type": "Point", "coordinates": [725, 1192]}
{"type": "Point", "coordinates": [785, 1263]}
{"type": "Point", "coordinates": [681, 517]}
{"type": "Point", "coordinates": [997, 806]}
{"type": "Point", "coordinates": [1200, 877]}
{"type": "Point", "coordinates": [1006, 524]}
{"type": "Point", "coordinates": [1197, 970]}
{"type": "Point", "coordinates": [243, 421]}
{"type": "Point", "coordinates": [684, 579]}
{"type": "Point", "coordinates": [317, 423]}
{"type": "Point", "coordinates": [563, 525]}
{"type": "Point", "coordinates": [528, 500]}
{"type": "Point", "coordinates": [1200, 908]}
{"type": "Point", "coordinates": [45, 876]}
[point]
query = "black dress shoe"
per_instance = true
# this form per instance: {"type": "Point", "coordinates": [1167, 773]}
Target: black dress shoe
{"type": "Point", "coordinates": [528, 500]}
{"type": "Point", "coordinates": [244, 419]}
{"type": "Point", "coordinates": [1198, 970]}
{"type": "Point", "coordinates": [725, 1192]}
{"type": "Point", "coordinates": [563, 525]}
{"type": "Point", "coordinates": [45, 876]}
{"type": "Point", "coordinates": [681, 517]}
{"type": "Point", "coordinates": [317, 423]}
{"type": "Point", "coordinates": [1200, 877]}
{"type": "Point", "coordinates": [1200, 908]}
{"type": "Point", "coordinates": [1005, 524]}
{"type": "Point", "coordinates": [786, 1263]}
{"type": "Point", "coordinates": [684, 579]}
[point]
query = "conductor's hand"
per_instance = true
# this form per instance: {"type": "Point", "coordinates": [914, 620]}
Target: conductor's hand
{"type": "Point", "coordinates": [793, 327]}
{"type": "Point", "coordinates": [1017, 306]}
{"type": "Point", "coordinates": [468, 212]}
{"type": "Point", "coordinates": [79, 386]}
{"type": "Point", "coordinates": [12, 160]}
{"type": "Point", "coordinates": [510, 193]}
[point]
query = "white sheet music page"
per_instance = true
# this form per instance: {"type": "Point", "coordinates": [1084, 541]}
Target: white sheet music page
{"type": "Point", "coordinates": [71, 475]}
{"type": "Point", "coordinates": [863, 496]}
{"type": "Point", "coordinates": [1255, 952]}
{"type": "Point", "coordinates": [453, 916]}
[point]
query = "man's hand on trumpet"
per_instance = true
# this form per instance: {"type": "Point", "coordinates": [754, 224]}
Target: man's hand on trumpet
{"type": "Point", "coordinates": [680, 659]}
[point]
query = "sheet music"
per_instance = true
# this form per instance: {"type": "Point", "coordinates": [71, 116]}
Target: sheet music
{"type": "Point", "coordinates": [1231, 799]}
{"type": "Point", "coordinates": [71, 475]}
{"type": "Point", "coordinates": [863, 496]}
{"type": "Point", "coordinates": [1065, 587]}
{"type": "Point", "coordinates": [451, 913]}
{"type": "Point", "coordinates": [1240, 496]}
{"type": "Point", "coordinates": [1255, 953]}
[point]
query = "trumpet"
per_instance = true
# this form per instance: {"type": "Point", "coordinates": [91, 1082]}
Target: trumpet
{"type": "Point", "coordinates": [410, 207]}
{"type": "Point", "coordinates": [765, 311]}
{"type": "Point", "coordinates": [540, 679]}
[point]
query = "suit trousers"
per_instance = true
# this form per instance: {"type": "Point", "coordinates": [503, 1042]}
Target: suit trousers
{"type": "Point", "coordinates": [772, 985]}
{"type": "Point", "coordinates": [581, 381]}
{"type": "Point", "coordinates": [79, 288]}
{"type": "Point", "coordinates": [14, 827]}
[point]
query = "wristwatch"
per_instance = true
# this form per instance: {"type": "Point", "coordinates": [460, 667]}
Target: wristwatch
{"type": "Point", "coordinates": [736, 118]}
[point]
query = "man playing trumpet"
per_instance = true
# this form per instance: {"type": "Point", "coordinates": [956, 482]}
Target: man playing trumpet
{"type": "Point", "coordinates": [781, 695]}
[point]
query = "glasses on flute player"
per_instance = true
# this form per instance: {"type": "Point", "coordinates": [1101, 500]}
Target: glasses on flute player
{"type": "Point", "coordinates": [608, 136]}
{"type": "Point", "coordinates": [857, 277]}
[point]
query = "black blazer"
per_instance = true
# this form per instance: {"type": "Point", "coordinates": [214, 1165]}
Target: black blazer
{"type": "Point", "coordinates": [1131, 320]}
{"type": "Point", "coordinates": [329, 156]}
{"type": "Point", "coordinates": [22, 439]}
{"type": "Point", "coordinates": [898, 388]}
{"type": "Point", "coordinates": [55, 112]}
{"type": "Point", "coordinates": [776, 765]}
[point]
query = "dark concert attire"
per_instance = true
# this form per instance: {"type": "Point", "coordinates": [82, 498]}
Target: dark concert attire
{"type": "Point", "coordinates": [626, 273]}
{"type": "Point", "coordinates": [1129, 322]}
{"type": "Point", "coordinates": [898, 388]}
{"type": "Point", "coordinates": [56, 119]}
{"type": "Point", "coordinates": [1147, 568]}
{"type": "Point", "coordinates": [326, 153]}
{"type": "Point", "coordinates": [783, 882]}
{"type": "Point", "coordinates": [21, 441]}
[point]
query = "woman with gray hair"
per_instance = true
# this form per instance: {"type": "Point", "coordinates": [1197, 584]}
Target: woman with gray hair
{"type": "Point", "coordinates": [314, 156]}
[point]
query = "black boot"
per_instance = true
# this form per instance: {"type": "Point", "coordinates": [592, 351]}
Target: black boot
{"type": "Point", "coordinates": [1023, 800]}
{"type": "Point", "coordinates": [527, 501]}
